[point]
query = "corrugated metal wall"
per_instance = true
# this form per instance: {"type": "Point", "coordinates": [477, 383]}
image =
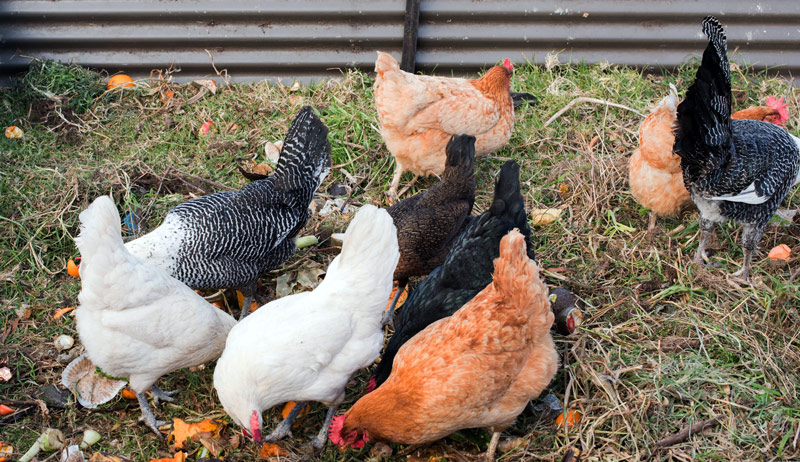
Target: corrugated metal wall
{"type": "Point", "coordinates": [315, 38]}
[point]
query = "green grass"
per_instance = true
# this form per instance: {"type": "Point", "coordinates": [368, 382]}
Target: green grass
{"type": "Point", "coordinates": [640, 291]}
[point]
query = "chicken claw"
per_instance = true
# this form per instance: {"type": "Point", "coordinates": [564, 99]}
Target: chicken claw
{"type": "Point", "coordinates": [147, 416]}
{"type": "Point", "coordinates": [284, 428]}
{"type": "Point", "coordinates": [161, 395]}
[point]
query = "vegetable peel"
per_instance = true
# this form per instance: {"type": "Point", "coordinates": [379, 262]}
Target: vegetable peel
{"type": "Point", "coordinates": [182, 431]}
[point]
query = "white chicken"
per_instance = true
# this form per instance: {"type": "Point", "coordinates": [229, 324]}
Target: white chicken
{"type": "Point", "coordinates": [134, 319]}
{"type": "Point", "coordinates": [305, 347]}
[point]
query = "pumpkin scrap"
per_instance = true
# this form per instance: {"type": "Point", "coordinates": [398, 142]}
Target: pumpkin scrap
{"type": "Point", "coordinates": [182, 431]}
{"type": "Point", "coordinates": [572, 416]}
{"type": "Point", "coordinates": [63, 311]}
{"type": "Point", "coordinates": [14, 132]}
{"type": "Point", "coordinates": [179, 456]}
{"type": "Point", "coordinates": [271, 450]}
{"type": "Point", "coordinates": [5, 410]}
{"type": "Point", "coordinates": [543, 217]}
{"type": "Point", "coordinates": [127, 393]}
{"type": "Point", "coordinates": [240, 301]}
{"type": "Point", "coordinates": [5, 451]}
{"type": "Point", "coordinates": [781, 252]}
{"type": "Point", "coordinates": [72, 269]}
{"type": "Point", "coordinates": [290, 405]}
{"type": "Point", "coordinates": [120, 80]}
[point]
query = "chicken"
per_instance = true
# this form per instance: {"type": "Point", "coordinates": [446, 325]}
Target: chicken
{"type": "Point", "coordinates": [418, 114]}
{"type": "Point", "coordinates": [655, 174]}
{"type": "Point", "coordinates": [476, 368]}
{"type": "Point", "coordinates": [734, 169]}
{"type": "Point", "coordinates": [134, 319]}
{"type": "Point", "coordinates": [229, 239]}
{"type": "Point", "coordinates": [466, 271]}
{"type": "Point", "coordinates": [429, 222]}
{"type": "Point", "coordinates": [305, 347]}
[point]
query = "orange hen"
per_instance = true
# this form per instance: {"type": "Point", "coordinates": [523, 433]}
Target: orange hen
{"type": "Point", "coordinates": [655, 173]}
{"type": "Point", "coordinates": [419, 113]}
{"type": "Point", "coordinates": [477, 368]}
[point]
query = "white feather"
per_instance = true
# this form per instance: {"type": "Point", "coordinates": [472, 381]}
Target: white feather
{"type": "Point", "coordinates": [747, 196]}
{"type": "Point", "coordinates": [305, 347]}
{"type": "Point", "coordinates": [135, 320]}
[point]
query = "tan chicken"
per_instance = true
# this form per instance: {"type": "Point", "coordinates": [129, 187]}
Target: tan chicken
{"type": "Point", "coordinates": [476, 368]}
{"type": "Point", "coordinates": [656, 177]}
{"type": "Point", "coordinates": [419, 113]}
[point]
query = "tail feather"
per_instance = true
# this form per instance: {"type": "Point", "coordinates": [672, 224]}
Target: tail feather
{"type": "Point", "coordinates": [370, 243]}
{"type": "Point", "coordinates": [385, 62]}
{"type": "Point", "coordinates": [516, 279]}
{"type": "Point", "coordinates": [100, 232]}
{"type": "Point", "coordinates": [703, 135]}
{"type": "Point", "coordinates": [508, 203]}
{"type": "Point", "coordinates": [306, 152]}
{"type": "Point", "coordinates": [460, 152]}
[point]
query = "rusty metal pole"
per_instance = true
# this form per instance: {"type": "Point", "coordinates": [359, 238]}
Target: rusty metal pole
{"type": "Point", "coordinates": [409, 59]}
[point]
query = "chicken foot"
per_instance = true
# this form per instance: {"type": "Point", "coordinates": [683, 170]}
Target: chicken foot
{"type": "Point", "coordinates": [147, 416]}
{"type": "Point", "coordinates": [489, 456]}
{"type": "Point", "coordinates": [751, 234]}
{"type": "Point", "coordinates": [322, 437]}
{"type": "Point", "coordinates": [388, 315]}
{"type": "Point", "coordinates": [284, 428]}
{"type": "Point", "coordinates": [161, 395]}
{"type": "Point", "coordinates": [706, 228]}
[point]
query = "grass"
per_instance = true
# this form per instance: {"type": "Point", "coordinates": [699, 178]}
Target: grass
{"type": "Point", "coordinates": [664, 344]}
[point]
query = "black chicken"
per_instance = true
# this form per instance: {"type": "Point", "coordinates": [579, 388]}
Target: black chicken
{"type": "Point", "coordinates": [734, 169]}
{"type": "Point", "coordinates": [467, 269]}
{"type": "Point", "coordinates": [229, 239]}
{"type": "Point", "coordinates": [429, 222]}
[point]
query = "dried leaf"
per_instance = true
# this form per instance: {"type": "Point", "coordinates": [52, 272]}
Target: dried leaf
{"type": "Point", "coordinates": [253, 170]}
{"type": "Point", "coordinates": [284, 284]}
{"type": "Point", "coordinates": [271, 450]}
{"type": "Point", "coordinates": [273, 151]}
{"type": "Point", "coordinates": [380, 450]}
{"type": "Point", "coordinates": [182, 431]}
{"type": "Point", "coordinates": [563, 189]}
{"type": "Point", "coordinates": [106, 457]}
{"type": "Point", "coordinates": [308, 276]}
{"type": "Point", "coordinates": [209, 84]}
{"type": "Point", "coordinates": [72, 454]}
{"type": "Point", "coordinates": [295, 86]}
{"type": "Point", "coordinates": [5, 374]}
{"type": "Point", "coordinates": [542, 217]}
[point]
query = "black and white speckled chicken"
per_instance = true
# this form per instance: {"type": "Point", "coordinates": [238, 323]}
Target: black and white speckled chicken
{"type": "Point", "coordinates": [429, 222]}
{"type": "Point", "coordinates": [229, 239]}
{"type": "Point", "coordinates": [734, 169]}
{"type": "Point", "coordinates": [467, 269]}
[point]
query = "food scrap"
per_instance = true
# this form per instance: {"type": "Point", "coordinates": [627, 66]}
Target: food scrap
{"type": "Point", "coordinates": [780, 252]}
{"type": "Point", "coordinates": [182, 431]}
{"type": "Point", "coordinates": [14, 132]}
{"type": "Point", "coordinates": [120, 81]}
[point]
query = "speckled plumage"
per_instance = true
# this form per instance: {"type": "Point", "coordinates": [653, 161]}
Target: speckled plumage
{"type": "Point", "coordinates": [429, 222]}
{"type": "Point", "coordinates": [467, 269]}
{"type": "Point", "coordinates": [229, 239]}
{"type": "Point", "coordinates": [734, 169]}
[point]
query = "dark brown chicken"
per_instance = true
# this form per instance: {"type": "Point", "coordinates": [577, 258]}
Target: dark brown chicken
{"type": "Point", "coordinates": [429, 222]}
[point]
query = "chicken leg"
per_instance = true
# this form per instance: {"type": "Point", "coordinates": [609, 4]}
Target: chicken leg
{"type": "Point", "coordinates": [248, 293]}
{"type": "Point", "coordinates": [706, 227]}
{"type": "Point", "coordinates": [284, 428]}
{"type": "Point", "coordinates": [322, 436]}
{"type": "Point", "coordinates": [489, 456]}
{"type": "Point", "coordinates": [388, 315]}
{"type": "Point", "coordinates": [147, 415]}
{"type": "Point", "coordinates": [751, 234]}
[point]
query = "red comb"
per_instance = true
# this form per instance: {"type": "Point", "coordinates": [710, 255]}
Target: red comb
{"type": "Point", "coordinates": [335, 430]}
{"type": "Point", "coordinates": [507, 64]}
{"type": "Point", "coordinates": [779, 105]}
